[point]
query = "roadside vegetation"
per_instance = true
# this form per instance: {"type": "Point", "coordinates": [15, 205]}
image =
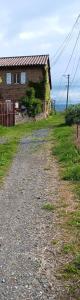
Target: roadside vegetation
{"type": "Point", "coordinates": [68, 155]}
{"type": "Point", "coordinates": [72, 114]}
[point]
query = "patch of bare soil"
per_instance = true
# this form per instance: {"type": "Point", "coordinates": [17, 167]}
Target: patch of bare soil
{"type": "Point", "coordinates": [31, 238]}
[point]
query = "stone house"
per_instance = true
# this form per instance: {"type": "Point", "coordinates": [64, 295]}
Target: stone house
{"type": "Point", "coordinates": [18, 73]}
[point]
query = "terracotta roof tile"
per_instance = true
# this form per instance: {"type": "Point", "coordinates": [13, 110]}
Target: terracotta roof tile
{"type": "Point", "coordinates": [24, 60]}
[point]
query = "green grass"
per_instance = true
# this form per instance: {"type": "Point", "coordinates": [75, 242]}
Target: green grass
{"type": "Point", "coordinates": [72, 173]}
{"type": "Point", "coordinates": [72, 269]}
{"type": "Point", "coordinates": [68, 247]}
{"type": "Point", "coordinates": [67, 153]}
{"type": "Point", "coordinates": [68, 156]}
{"type": "Point", "coordinates": [48, 206]}
{"type": "Point", "coordinates": [7, 152]}
{"type": "Point", "coordinates": [74, 219]}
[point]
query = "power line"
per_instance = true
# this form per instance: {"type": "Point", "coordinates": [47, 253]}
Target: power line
{"type": "Point", "coordinates": [63, 45]}
{"type": "Point", "coordinates": [71, 58]}
{"type": "Point", "coordinates": [73, 51]}
{"type": "Point", "coordinates": [74, 65]}
{"type": "Point", "coordinates": [75, 71]}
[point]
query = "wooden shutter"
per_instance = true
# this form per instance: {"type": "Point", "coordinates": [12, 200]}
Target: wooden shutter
{"type": "Point", "coordinates": [8, 78]}
{"type": "Point", "coordinates": [23, 77]}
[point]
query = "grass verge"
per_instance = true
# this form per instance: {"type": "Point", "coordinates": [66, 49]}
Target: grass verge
{"type": "Point", "coordinates": [7, 152]}
{"type": "Point", "coordinates": [68, 156]}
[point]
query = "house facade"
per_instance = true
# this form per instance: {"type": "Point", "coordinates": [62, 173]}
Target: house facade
{"type": "Point", "coordinates": [18, 73]}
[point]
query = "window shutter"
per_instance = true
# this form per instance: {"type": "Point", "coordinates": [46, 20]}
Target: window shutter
{"type": "Point", "coordinates": [23, 77]}
{"type": "Point", "coordinates": [8, 78]}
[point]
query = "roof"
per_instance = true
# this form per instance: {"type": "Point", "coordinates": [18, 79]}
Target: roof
{"type": "Point", "coordinates": [18, 61]}
{"type": "Point", "coordinates": [24, 60]}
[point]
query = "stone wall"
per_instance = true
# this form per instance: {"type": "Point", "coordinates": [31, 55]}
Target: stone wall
{"type": "Point", "coordinates": [22, 118]}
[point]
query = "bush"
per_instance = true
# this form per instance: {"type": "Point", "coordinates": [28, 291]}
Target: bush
{"type": "Point", "coordinates": [32, 104]}
{"type": "Point", "coordinates": [72, 114]}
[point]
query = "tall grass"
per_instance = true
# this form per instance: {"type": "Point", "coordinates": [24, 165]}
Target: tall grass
{"type": "Point", "coordinates": [67, 152]}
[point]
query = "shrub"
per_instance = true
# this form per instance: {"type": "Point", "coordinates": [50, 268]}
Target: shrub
{"type": "Point", "coordinates": [72, 114]}
{"type": "Point", "coordinates": [32, 104]}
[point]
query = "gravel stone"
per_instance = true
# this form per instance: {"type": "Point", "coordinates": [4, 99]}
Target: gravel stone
{"type": "Point", "coordinates": [27, 258]}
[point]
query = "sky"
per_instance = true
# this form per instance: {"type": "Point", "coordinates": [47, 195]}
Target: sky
{"type": "Point", "coordinates": [31, 27]}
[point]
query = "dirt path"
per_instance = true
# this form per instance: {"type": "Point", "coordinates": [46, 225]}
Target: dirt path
{"type": "Point", "coordinates": [27, 257]}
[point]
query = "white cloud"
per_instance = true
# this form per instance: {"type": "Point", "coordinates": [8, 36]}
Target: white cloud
{"type": "Point", "coordinates": [27, 35]}
{"type": "Point", "coordinates": [42, 27]}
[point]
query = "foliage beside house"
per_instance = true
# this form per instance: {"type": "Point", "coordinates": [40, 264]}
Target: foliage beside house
{"type": "Point", "coordinates": [31, 103]}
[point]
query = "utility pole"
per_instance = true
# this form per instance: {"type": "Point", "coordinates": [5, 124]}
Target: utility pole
{"type": "Point", "coordinates": [68, 85]}
{"type": "Point", "coordinates": [54, 105]}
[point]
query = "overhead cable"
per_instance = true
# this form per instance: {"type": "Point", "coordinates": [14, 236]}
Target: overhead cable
{"type": "Point", "coordinates": [73, 51]}
{"type": "Point", "coordinates": [63, 45]}
{"type": "Point", "coordinates": [75, 71]}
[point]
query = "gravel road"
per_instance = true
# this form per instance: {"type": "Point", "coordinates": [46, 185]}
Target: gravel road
{"type": "Point", "coordinates": [27, 257]}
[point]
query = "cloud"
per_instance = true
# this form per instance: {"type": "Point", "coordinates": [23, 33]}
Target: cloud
{"type": "Point", "coordinates": [42, 27]}
{"type": "Point", "coordinates": [27, 35]}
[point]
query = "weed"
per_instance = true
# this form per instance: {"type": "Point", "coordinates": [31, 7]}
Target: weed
{"type": "Point", "coordinates": [54, 242]}
{"type": "Point", "coordinates": [72, 173]}
{"type": "Point", "coordinates": [74, 220]}
{"type": "Point", "coordinates": [72, 269]}
{"type": "Point", "coordinates": [67, 248]}
{"type": "Point", "coordinates": [48, 206]}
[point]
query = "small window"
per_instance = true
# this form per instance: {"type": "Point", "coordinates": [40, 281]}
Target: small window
{"type": "Point", "coordinates": [8, 78]}
{"type": "Point", "coordinates": [23, 77]}
{"type": "Point", "coordinates": [16, 78]}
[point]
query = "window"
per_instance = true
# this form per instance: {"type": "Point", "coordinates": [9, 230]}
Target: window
{"type": "Point", "coordinates": [16, 78]}
{"type": "Point", "coordinates": [23, 77]}
{"type": "Point", "coordinates": [8, 78]}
